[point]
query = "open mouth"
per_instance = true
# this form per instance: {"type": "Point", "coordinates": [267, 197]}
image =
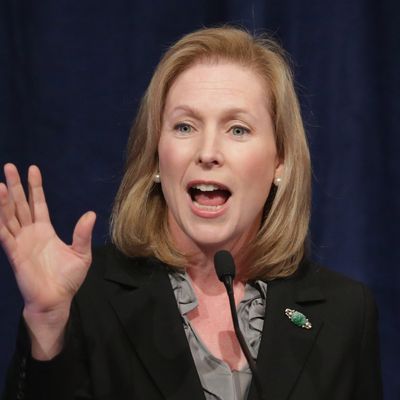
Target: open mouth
{"type": "Point", "coordinates": [209, 196]}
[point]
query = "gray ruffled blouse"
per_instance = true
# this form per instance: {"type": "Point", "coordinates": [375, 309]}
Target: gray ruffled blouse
{"type": "Point", "coordinates": [219, 382]}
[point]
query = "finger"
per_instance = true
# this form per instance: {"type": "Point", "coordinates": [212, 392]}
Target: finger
{"type": "Point", "coordinates": [82, 237]}
{"type": "Point", "coordinates": [37, 199]}
{"type": "Point", "coordinates": [17, 192]}
{"type": "Point", "coordinates": [7, 240]}
{"type": "Point", "coordinates": [7, 211]}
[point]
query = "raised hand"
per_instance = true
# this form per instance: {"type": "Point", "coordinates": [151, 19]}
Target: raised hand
{"type": "Point", "coordinates": [48, 271]}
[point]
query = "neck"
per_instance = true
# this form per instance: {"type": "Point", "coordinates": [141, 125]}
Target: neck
{"type": "Point", "coordinates": [208, 287]}
{"type": "Point", "coordinates": [200, 265]}
{"type": "Point", "coordinates": [201, 271]}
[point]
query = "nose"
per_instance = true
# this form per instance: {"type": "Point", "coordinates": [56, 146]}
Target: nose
{"type": "Point", "coordinates": [210, 152]}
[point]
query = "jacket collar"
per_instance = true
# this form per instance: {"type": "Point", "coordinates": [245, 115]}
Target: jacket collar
{"type": "Point", "coordinates": [285, 347]}
{"type": "Point", "coordinates": [147, 308]}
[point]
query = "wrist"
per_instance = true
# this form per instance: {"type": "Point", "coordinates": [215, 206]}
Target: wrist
{"type": "Point", "coordinates": [46, 331]}
{"type": "Point", "coordinates": [51, 317]}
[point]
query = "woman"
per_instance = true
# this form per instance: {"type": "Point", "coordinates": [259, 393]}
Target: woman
{"type": "Point", "coordinates": [217, 159]}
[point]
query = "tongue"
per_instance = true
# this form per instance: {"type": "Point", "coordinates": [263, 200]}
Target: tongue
{"type": "Point", "coordinates": [214, 198]}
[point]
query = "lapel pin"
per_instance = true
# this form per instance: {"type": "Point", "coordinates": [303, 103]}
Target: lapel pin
{"type": "Point", "coordinates": [298, 318]}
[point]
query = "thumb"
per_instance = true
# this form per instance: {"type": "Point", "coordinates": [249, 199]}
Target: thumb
{"type": "Point", "coordinates": [82, 237]}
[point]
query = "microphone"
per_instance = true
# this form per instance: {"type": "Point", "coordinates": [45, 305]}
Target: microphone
{"type": "Point", "coordinates": [225, 269]}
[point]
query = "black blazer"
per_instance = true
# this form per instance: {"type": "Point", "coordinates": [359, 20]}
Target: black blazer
{"type": "Point", "coordinates": [125, 340]}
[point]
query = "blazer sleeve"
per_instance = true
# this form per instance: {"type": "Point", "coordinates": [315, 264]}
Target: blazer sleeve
{"type": "Point", "coordinates": [65, 377]}
{"type": "Point", "coordinates": [368, 383]}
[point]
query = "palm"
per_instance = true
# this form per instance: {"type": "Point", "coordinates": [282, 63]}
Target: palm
{"type": "Point", "coordinates": [47, 270]}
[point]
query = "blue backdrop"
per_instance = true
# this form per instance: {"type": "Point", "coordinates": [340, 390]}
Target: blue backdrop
{"type": "Point", "coordinates": [72, 73]}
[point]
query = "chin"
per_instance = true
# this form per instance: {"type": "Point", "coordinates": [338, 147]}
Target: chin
{"type": "Point", "coordinates": [212, 239]}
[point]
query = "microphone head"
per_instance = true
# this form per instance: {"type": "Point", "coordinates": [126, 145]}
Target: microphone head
{"type": "Point", "coordinates": [224, 265]}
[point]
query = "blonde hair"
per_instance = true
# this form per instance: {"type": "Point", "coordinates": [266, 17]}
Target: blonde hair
{"type": "Point", "coordinates": [139, 219]}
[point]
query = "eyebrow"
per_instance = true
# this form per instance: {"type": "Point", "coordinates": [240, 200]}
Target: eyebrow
{"type": "Point", "coordinates": [185, 109]}
{"type": "Point", "coordinates": [234, 111]}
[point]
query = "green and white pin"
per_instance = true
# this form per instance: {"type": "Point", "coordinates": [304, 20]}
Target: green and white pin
{"type": "Point", "coordinates": [298, 318]}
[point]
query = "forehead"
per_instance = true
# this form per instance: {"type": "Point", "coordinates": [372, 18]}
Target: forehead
{"type": "Point", "coordinates": [213, 81]}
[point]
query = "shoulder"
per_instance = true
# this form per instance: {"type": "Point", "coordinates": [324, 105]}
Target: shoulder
{"type": "Point", "coordinates": [336, 285]}
{"type": "Point", "coordinates": [108, 260]}
{"type": "Point", "coordinates": [343, 303]}
{"type": "Point", "coordinates": [340, 299]}
{"type": "Point", "coordinates": [108, 254]}
{"type": "Point", "coordinates": [112, 270]}
{"type": "Point", "coordinates": [330, 282]}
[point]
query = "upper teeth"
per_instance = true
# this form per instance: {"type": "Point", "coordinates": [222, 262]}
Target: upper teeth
{"type": "Point", "coordinates": [206, 188]}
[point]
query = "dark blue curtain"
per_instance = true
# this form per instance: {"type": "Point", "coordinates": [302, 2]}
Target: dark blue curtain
{"type": "Point", "coordinates": [72, 73]}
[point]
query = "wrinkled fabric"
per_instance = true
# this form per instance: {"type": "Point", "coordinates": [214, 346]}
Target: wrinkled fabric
{"type": "Point", "coordinates": [219, 382]}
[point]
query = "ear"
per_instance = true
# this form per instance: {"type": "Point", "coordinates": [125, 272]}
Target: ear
{"type": "Point", "coordinates": [279, 168]}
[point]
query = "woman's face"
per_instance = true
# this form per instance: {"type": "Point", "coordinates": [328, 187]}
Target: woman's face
{"type": "Point", "coordinates": [217, 156]}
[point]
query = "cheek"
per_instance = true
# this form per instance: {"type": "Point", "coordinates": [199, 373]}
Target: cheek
{"type": "Point", "coordinates": [258, 167]}
{"type": "Point", "coordinates": [174, 158]}
{"type": "Point", "coordinates": [257, 174]}
{"type": "Point", "coordinates": [169, 158]}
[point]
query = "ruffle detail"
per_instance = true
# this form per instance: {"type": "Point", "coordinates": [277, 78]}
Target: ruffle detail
{"type": "Point", "coordinates": [250, 310]}
{"type": "Point", "coordinates": [217, 380]}
{"type": "Point", "coordinates": [183, 291]}
{"type": "Point", "coordinates": [251, 314]}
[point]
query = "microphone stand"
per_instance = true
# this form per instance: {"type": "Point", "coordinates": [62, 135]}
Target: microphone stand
{"type": "Point", "coordinates": [228, 281]}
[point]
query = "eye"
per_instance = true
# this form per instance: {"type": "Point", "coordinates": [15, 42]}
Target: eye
{"type": "Point", "coordinates": [183, 128]}
{"type": "Point", "coordinates": [239, 131]}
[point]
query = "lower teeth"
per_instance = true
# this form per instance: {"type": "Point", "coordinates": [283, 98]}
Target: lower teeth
{"type": "Point", "coordinates": [208, 208]}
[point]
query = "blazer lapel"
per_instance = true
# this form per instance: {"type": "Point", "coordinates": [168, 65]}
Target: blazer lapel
{"type": "Point", "coordinates": [151, 318]}
{"type": "Point", "coordinates": [285, 346]}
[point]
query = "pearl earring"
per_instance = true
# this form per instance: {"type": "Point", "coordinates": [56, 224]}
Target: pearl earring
{"type": "Point", "coordinates": [277, 181]}
{"type": "Point", "coordinates": [157, 178]}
